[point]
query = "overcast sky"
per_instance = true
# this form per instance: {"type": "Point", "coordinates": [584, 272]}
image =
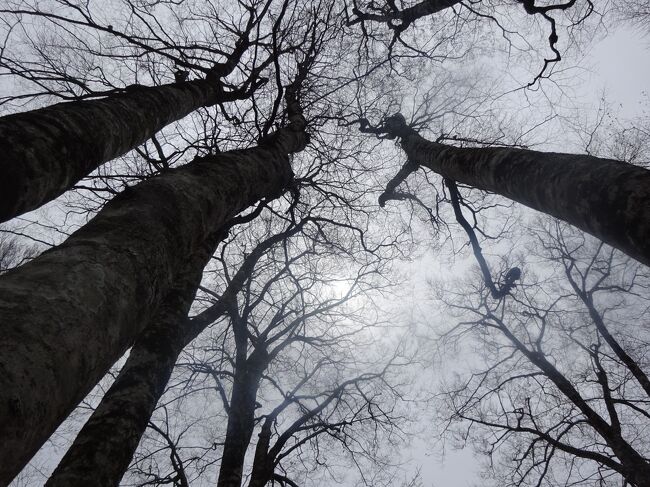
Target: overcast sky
{"type": "Point", "coordinates": [620, 65]}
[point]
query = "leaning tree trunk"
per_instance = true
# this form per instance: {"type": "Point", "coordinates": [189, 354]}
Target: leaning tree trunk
{"type": "Point", "coordinates": [45, 152]}
{"type": "Point", "coordinates": [104, 447]}
{"type": "Point", "coordinates": [606, 198]}
{"type": "Point", "coordinates": [69, 314]}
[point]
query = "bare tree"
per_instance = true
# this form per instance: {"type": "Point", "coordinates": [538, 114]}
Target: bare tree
{"type": "Point", "coordinates": [572, 187]}
{"type": "Point", "coordinates": [401, 20]}
{"type": "Point", "coordinates": [279, 363]}
{"type": "Point", "coordinates": [173, 214]}
{"type": "Point", "coordinates": [289, 298]}
{"type": "Point", "coordinates": [128, 276]}
{"type": "Point", "coordinates": [104, 447]}
{"type": "Point", "coordinates": [170, 220]}
{"type": "Point", "coordinates": [563, 397]}
{"type": "Point", "coordinates": [46, 151]}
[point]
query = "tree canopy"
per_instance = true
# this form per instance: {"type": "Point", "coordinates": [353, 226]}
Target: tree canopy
{"type": "Point", "coordinates": [280, 242]}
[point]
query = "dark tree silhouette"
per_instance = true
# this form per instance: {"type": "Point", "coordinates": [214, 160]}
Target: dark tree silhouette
{"type": "Point", "coordinates": [282, 364]}
{"type": "Point", "coordinates": [563, 397]}
{"type": "Point", "coordinates": [128, 276]}
{"type": "Point", "coordinates": [114, 256]}
{"type": "Point", "coordinates": [103, 449]}
{"type": "Point", "coordinates": [44, 152]}
{"type": "Point", "coordinates": [607, 198]}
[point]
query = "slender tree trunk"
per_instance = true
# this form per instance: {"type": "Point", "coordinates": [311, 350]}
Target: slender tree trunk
{"type": "Point", "coordinates": [241, 418]}
{"type": "Point", "coordinates": [45, 152]}
{"type": "Point", "coordinates": [606, 198]}
{"type": "Point", "coordinates": [69, 314]}
{"type": "Point", "coordinates": [103, 449]}
{"type": "Point", "coordinates": [241, 422]}
{"type": "Point", "coordinates": [105, 445]}
{"type": "Point", "coordinates": [263, 467]}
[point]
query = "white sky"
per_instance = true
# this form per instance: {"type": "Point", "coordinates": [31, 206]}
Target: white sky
{"type": "Point", "coordinates": [622, 67]}
{"type": "Point", "coordinates": [620, 64]}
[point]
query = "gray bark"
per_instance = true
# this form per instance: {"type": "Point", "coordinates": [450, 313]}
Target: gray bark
{"type": "Point", "coordinates": [45, 152]}
{"type": "Point", "coordinates": [263, 462]}
{"type": "Point", "coordinates": [105, 445]}
{"type": "Point", "coordinates": [606, 198]}
{"type": "Point", "coordinates": [241, 419]}
{"type": "Point", "coordinates": [69, 314]}
{"type": "Point", "coordinates": [406, 16]}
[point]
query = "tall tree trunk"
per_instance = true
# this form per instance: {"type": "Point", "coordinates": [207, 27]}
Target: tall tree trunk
{"type": "Point", "coordinates": [105, 445]}
{"type": "Point", "coordinates": [103, 449]}
{"type": "Point", "coordinates": [69, 314]}
{"type": "Point", "coordinates": [241, 421]}
{"type": "Point", "coordinates": [263, 467]}
{"type": "Point", "coordinates": [45, 152]}
{"type": "Point", "coordinates": [606, 198]}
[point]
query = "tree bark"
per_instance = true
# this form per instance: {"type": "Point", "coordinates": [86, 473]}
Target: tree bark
{"type": "Point", "coordinates": [69, 314]}
{"type": "Point", "coordinates": [45, 152]}
{"type": "Point", "coordinates": [241, 420]}
{"type": "Point", "coordinates": [406, 16]}
{"type": "Point", "coordinates": [105, 445]}
{"type": "Point", "coordinates": [606, 198]}
{"type": "Point", "coordinates": [263, 467]}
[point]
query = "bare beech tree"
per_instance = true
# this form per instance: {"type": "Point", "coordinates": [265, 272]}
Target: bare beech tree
{"type": "Point", "coordinates": [46, 151]}
{"type": "Point", "coordinates": [104, 447]}
{"type": "Point", "coordinates": [563, 396]}
{"type": "Point", "coordinates": [256, 83]}
{"type": "Point", "coordinates": [572, 187]}
{"type": "Point", "coordinates": [284, 352]}
{"type": "Point", "coordinates": [151, 214]}
{"type": "Point", "coordinates": [147, 217]}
